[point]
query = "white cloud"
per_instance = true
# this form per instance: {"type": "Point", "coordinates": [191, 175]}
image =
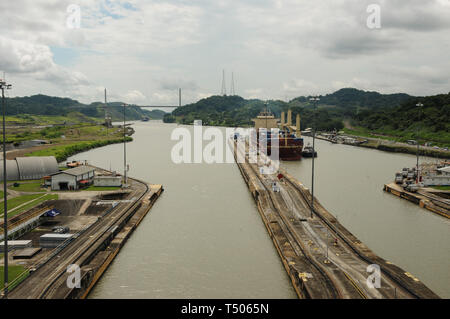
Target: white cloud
{"type": "Point", "coordinates": [281, 47]}
{"type": "Point", "coordinates": [134, 97]}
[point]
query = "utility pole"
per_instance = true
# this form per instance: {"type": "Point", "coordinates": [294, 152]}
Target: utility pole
{"type": "Point", "coordinates": [179, 97]}
{"type": "Point", "coordinates": [420, 105]}
{"type": "Point", "coordinates": [106, 115]}
{"type": "Point", "coordinates": [3, 86]}
{"type": "Point", "coordinates": [124, 149]}
{"type": "Point", "coordinates": [315, 100]}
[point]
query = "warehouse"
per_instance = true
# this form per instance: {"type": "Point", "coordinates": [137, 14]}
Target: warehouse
{"type": "Point", "coordinates": [73, 179]}
{"type": "Point", "coordinates": [25, 168]}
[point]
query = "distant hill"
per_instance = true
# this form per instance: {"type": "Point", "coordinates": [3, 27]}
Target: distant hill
{"type": "Point", "coordinates": [432, 120]}
{"type": "Point", "coordinates": [49, 105]}
{"type": "Point", "coordinates": [390, 114]}
{"type": "Point", "coordinates": [350, 97]}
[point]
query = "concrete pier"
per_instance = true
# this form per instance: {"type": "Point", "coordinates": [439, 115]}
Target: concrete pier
{"type": "Point", "coordinates": [424, 200]}
{"type": "Point", "coordinates": [322, 258]}
{"type": "Point", "coordinates": [92, 250]}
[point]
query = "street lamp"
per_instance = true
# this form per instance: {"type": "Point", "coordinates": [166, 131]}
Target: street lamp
{"type": "Point", "coordinates": [4, 86]}
{"type": "Point", "coordinates": [315, 100]}
{"type": "Point", "coordinates": [124, 148]}
{"type": "Point", "coordinates": [420, 106]}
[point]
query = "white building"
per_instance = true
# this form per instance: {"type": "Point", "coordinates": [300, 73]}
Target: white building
{"type": "Point", "coordinates": [107, 180]}
{"type": "Point", "coordinates": [438, 177]}
{"type": "Point", "coordinates": [73, 179]}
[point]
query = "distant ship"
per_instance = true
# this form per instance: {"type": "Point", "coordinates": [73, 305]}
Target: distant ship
{"type": "Point", "coordinates": [290, 143]}
{"type": "Point", "coordinates": [308, 151]}
{"type": "Point", "coordinates": [145, 119]}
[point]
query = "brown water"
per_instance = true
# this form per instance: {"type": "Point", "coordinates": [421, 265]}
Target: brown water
{"type": "Point", "coordinates": [205, 239]}
{"type": "Point", "coordinates": [349, 183]}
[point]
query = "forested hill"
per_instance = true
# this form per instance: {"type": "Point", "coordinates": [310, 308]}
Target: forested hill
{"type": "Point", "coordinates": [354, 98]}
{"type": "Point", "coordinates": [49, 105]}
{"type": "Point", "coordinates": [368, 112]}
{"type": "Point", "coordinates": [432, 120]}
{"type": "Point", "coordinates": [332, 108]}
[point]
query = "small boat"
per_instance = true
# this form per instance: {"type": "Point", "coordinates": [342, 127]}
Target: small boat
{"type": "Point", "coordinates": [145, 119]}
{"type": "Point", "coordinates": [308, 151]}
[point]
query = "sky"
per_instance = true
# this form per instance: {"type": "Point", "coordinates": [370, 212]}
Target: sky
{"type": "Point", "coordinates": [143, 51]}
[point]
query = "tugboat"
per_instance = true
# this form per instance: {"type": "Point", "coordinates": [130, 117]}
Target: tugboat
{"type": "Point", "coordinates": [290, 143]}
{"type": "Point", "coordinates": [308, 151]}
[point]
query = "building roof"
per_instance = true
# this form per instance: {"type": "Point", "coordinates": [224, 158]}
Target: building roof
{"type": "Point", "coordinates": [16, 242]}
{"type": "Point", "coordinates": [445, 169]}
{"type": "Point", "coordinates": [56, 236]}
{"type": "Point", "coordinates": [79, 170]}
{"type": "Point", "coordinates": [33, 167]}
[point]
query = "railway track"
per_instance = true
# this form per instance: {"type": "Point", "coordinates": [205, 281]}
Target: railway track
{"type": "Point", "coordinates": [351, 263]}
{"type": "Point", "coordinates": [283, 223]}
{"type": "Point", "coordinates": [42, 282]}
{"type": "Point", "coordinates": [349, 243]}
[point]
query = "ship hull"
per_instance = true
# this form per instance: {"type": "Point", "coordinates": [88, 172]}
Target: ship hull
{"type": "Point", "coordinates": [289, 149]}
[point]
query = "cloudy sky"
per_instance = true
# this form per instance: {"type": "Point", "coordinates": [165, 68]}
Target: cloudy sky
{"type": "Point", "coordinates": [143, 50]}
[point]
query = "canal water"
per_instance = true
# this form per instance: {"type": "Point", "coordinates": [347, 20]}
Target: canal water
{"type": "Point", "coordinates": [349, 183]}
{"type": "Point", "coordinates": [205, 239]}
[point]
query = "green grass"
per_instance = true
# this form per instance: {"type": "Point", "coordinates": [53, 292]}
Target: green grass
{"type": "Point", "coordinates": [28, 187]}
{"type": "Point", "coordinates": [102, 188]}
{"type": "Point", "coordinates": [442, 188]}
{"type": "Point", "coordinates": [62, 152]}
{"type": "Point", "coordinates": [25, 181]}
{"type": "Point", "coordinates": [17, 201]}
{"type": "Point", "coordinates": [18, 273]}
{"type": "Point", "coordinates": [440, 139]}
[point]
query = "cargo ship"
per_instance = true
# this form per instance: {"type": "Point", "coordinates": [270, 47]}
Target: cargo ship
{"type": "Point", "coordinates": [290, 142]}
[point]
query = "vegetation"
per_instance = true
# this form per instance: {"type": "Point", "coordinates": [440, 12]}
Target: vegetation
{"type": "Point", "coordinates": [442, 188]}
{"type": "Point", "coordinates": [432, 121]}
{"type": "Point", "coordinates": [28, 187]}
{"type": "Point", "coordinates": [31, 200]}
{"type": "Point", "coordinates": [62, 152]}
{"type": "Point", "coordinates": [371, 114]}
{"type": "Point", "coordinates": [25, 109]}
{"type": "Point", "coordinates": [15, 275]}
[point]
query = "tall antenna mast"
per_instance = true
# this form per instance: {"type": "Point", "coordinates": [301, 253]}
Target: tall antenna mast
{"type": "Point", "coordinates": [232, 92]}
{"type": "Point", "coordinates": [179, 97]}
{"type": "Point", "coordinates": [224, 89]}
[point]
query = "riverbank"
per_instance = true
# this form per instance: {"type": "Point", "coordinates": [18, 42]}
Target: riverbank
{"type": "Point", "coordinates": [62, 152]}
{"type": "Point", "coordinates": [391, 146]}
{"type": "Point", "coordinates": [99, 233]}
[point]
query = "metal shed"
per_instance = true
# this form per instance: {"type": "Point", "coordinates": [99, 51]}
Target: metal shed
{"type": "Point", "coordinates": [33, 167]}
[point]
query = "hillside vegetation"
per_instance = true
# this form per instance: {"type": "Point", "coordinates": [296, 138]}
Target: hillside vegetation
{"type": "Point", "coordinates": [28, 109]}
{"type": "Point", "coordinates": [392, 115]}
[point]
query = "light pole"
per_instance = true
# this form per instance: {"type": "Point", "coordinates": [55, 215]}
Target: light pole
{"type": "Point", "coordinates": [419, 105]}
{"type": "Point", "coordinates": [124, 148]}
{"type": "Point", "coordinates": [3, 86]}
{"type": "Point", "coordinates": [315, 100]}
